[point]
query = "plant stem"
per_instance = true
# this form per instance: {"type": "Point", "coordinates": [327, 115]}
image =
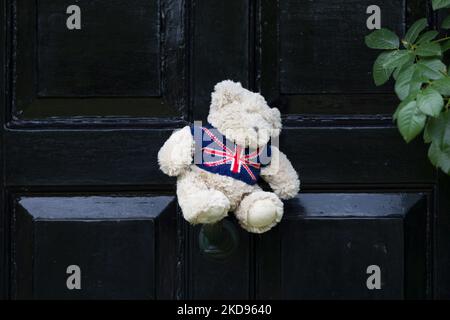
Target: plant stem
{"type": "Point", "coordinates": [440, 40]}
{"type": "Point", "coordinates": [447, 103]}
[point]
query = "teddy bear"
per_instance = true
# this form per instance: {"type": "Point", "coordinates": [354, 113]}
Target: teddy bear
{"type": "Point", "coordinates": [218, 165]}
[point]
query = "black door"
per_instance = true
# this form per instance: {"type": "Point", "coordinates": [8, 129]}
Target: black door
{"type": "Point", "coordinates": [90, 90]}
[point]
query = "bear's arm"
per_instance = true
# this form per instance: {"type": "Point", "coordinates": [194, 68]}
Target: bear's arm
{"type": "Point", "coordinates": [176, 154]}
{"type": "Point", "coordinates": [281, 175]}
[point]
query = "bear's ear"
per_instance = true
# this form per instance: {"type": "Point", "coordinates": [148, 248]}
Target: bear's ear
{"type": "Point", "coordinates": [226, 92]}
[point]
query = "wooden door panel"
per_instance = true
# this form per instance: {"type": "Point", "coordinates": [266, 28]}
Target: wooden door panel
{"type": "Point", "coordinates": [322, 45]}
{"type": "Point", "coordinates": [326, 243]}
{"type": "Point", "coordinates": [221, 48]}
{"type": "Point", "coordinates": [227, 276]}
{"type": "Point", "coordinates": [126, 60]}
{"type": "Point", "coordinates": [72, 157]}
{"type": "Point", "coordinates": [123, 246]}
{"type": "Point", "coordinates": [441, 257]}
{"type": "Point", "coordinates": [115, 53]}
{"type": "Point", "coordinates": [328, 258]}
{"type": "Point", "coordinates": [339, 155]}
{"type": "Point", "coordinates": [358, 155]}
{"type": "Point", "coordinates": [312, 59]}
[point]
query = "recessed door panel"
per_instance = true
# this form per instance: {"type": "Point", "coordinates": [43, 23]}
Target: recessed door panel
{"type": "Point", "coordinates": [98, 48]}
{"type": "Point", "coordinates": [94, 247]}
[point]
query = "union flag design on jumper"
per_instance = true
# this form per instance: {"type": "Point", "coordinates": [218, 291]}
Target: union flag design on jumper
{"type": "Point", "coordinates": [219, 155]}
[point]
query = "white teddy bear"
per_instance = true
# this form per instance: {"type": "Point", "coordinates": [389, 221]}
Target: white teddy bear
{"type": "Point", "coordinates": [218, 165]}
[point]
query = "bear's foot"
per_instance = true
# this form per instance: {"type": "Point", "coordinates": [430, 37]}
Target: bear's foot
{"type": "Point", "coordinates": [259, 211]}
{"type": "Point", "coordinates": [205, 206]}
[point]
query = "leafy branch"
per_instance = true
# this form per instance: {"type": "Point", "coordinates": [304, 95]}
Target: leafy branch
{"type": "Point", "coordinates": [422, 82]}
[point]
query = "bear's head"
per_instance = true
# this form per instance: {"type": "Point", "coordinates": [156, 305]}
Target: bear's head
{"type": "Point", "coordinates": [243, 116]}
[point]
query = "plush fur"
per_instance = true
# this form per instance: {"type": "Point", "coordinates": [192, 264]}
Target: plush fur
{"type": "Point", "coordinates": [245, 118]}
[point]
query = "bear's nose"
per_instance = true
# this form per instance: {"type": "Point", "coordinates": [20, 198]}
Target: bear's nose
{"type": "Point", "coordinates": [256, 129]}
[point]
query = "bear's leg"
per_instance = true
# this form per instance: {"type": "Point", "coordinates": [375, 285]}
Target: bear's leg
{"type": "Point", "coordinates": [199, 203]}
{"type": "Point", "coordinates": [259, 211]}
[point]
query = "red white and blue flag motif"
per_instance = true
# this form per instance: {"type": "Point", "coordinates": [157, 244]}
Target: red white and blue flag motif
{"type": "Point", "coordinates": [225, 158]}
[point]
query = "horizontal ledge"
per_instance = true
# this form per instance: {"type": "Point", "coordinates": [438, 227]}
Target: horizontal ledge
{"type": "Point", "coordinates": [352, 205]}
{"type": "Point", "coordinates": [86, 207]}
{"type": "Point", "coordinates": [96, 122]}
{"type": "Point", "coordinates": [128, 156]}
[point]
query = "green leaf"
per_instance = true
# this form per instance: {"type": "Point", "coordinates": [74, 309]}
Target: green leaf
{"type": "Point", "coordinates": [386, 63]}
{"type": "Point", "coordinates": [439, 128]}
{"type": "Point", "coordinates": [381, 74]}
{"type": "Point", "coordinates": [442, 86]}
{"type": "Point", "coordinates": [430, 102]}
{"type": "Point", "coordinates": [430, 69]}
{"type": "Point", "coordinates": [415, 30]}
{"type": "Point", "coordinates": [397, 58]}
{"type": "Point", "coordinates": [439, 4]}
{"type": "Point", "coordinates": [445, 46]}
{"type": "Point", "coordinates": [401, 106]}
{"type": "Point", "coordinates": [407, 85]}
{"type": "Point", "coordinates": [426, 133]}
{"type": "Point", "coordinates": [439, 157]}
{"type": "Point", "coordinates": [410, 121]}
{"type": "Point", "coordinates": [428, 36]}
{"type": "Point", "coordinates": [446, 23]}
{"type": "Point", "coordinates": [437, 132]}
{"type": "Point", "coordinates": [429, 49]}
{"type": "Point", "coordinates": [382, 39]}
{"type": "Point", "coordinates": [399, 70]}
